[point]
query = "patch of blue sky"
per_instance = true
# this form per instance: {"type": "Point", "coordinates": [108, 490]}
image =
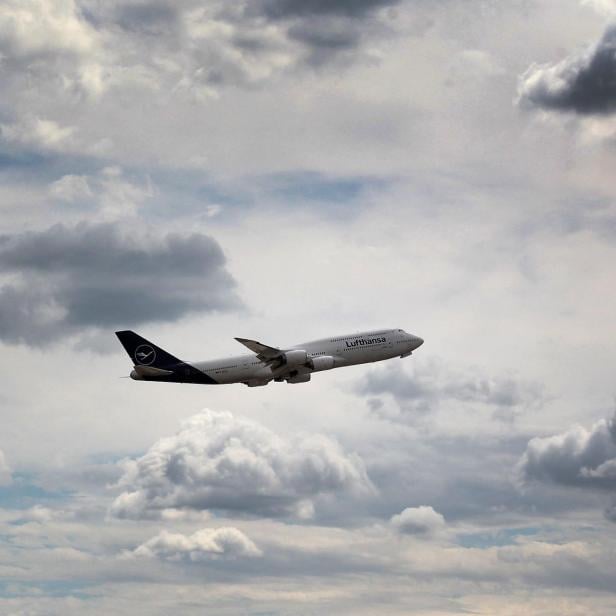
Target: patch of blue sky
{"type": "Point", "coordinates": [316, 187]}
{"type": "Point", "coordinates": [189, 193]}
{"type": "Point", "coordinates": [499, 538]}
{"type": "Point", "coordinates": [37, 167]}
{"type": "Point", "coordinates": [24, 493]}
{"type": "Point", "coordinates": [47, 588]}
{"type": "Point", "coordinates": [105, 458]}
{"type": "Point", "coordinates": [20, 160]}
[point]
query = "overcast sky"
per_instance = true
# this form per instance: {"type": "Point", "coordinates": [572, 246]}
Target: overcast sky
{"type": "Point", "coordinates": [287, 170]}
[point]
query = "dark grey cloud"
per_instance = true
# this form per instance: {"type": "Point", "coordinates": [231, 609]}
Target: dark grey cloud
{"type": "Point", "coordinates": [582, 83]}
{"type": "Point", "coordinates": [578, 457]}
{"type": "Point", "coordinates": [327, 31]}
{"type": "Point", "coordinates": [66, 279]}
{"type": "Point", "coordinates": [330, 35]}
{"type": "Point", "coordinates": [610, 512]}
{"type": "Point", "coordinates": [150, 17]}
{"type": "Point", "coordinates": [220, 462]}
{"type": "Point", "coordinates": [434, 384]}
{"type": "Point", "coordinates": [283, 9]}
{"type": "Point", "coordinates": [240, 48]}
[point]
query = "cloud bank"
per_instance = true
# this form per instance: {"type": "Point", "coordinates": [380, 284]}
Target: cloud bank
{"type": "Point", "coordinates": [84, 50]}
{"type": "Point", "coordinates": [221, 462]}
{"type": "Point", "coordinates": [434, 384]}
{"type": "Point", "coordinates": [65, 279]}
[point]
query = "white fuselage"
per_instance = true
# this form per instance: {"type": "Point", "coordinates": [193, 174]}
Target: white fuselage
{"type": "Point", "coordinates": [360, 348]}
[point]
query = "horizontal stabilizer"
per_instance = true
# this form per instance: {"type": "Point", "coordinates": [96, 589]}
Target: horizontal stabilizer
{"type": "Point", "coordinates": [150, 371]}
{"type": "Point", "coordinates": [263, 351]}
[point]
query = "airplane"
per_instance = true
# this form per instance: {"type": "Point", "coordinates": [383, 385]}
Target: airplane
{"type": "Point", "coordinates": [294, 364]}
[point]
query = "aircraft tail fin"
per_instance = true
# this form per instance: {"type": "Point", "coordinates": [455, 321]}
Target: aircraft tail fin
{"type": "Point", "coordinates": [145, 353]}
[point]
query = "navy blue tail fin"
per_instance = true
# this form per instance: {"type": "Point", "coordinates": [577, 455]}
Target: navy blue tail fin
{"type": "Point", "coordinates": [143, 352]}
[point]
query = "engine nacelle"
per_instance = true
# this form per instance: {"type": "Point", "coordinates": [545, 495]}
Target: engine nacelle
{"type": "Point", "coordinates": [256, 382]}
{"type": "Point", "coordinates": [324, 362]}
{"type": "Point", "coordinates": [299, 378]}
{"type": "Point", "coordinates": [294, 359]}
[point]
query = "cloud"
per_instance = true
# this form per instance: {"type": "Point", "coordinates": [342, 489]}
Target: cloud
{"type": "Point", "coordinates": [67, 279]}
{"type": "Point", "coordinates": [610, 512]}
{"type": "Point", "coordinates": [37, 133]}
{"type": "Point", "coordinates": [57, 28]}
{"type": "Point", "coordinates": [584, 83]}
{"type": "Point", "coordinates": [422, 520]}
{"type": "Point", "coordinates": [86, 50]}
{"type": "Point", "coordinates": [205, 544]}
{"type": "Point", "coordinates": [49, 42]}
{"type": "Point", "coordinates": [218, 461]}
{"type": "Point", "coordinates": [325, 31]}
{"type": "Point", "coordinates": [109, 193]}
{"type": "Point", "coordinates": [40, 515]}
{"type": "Point", "coordinates": [326, 36]}
{"type": "Point", "coordinates": [434, 384]}
{"type": "Point", "coordinates": [5, 471]}
{"type": "Point", "coordinates": [283, 9]}
{"type": "Point", "coordinates": [578, 457]}
{"type": "Point", "coordinates": [71, 188]}
{"type": "Point", "coordinates": [153, 17]}
{"type": "Point", "coordinates": [606, 8]}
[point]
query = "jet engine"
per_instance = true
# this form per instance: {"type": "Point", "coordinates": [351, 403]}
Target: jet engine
{"type": "Point", "coordinates": [324, 362]}
{"type": "Point", "coordinates": [256, 382]}
{"type": "Point", "coordinates": [294, 359]}
{"type": "Point", "coordinates": [299, 378]}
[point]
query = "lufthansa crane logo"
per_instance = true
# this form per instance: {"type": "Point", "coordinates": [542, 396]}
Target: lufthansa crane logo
{"type": "Point", "coordinates": [144, 355]}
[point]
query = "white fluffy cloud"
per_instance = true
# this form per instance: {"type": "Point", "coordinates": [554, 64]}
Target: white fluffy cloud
{"type": "Point", "coordinates": [605, 7]}
{"type": "Point", "coordinates": [115, 196]}
{"type": "Point", "coordinates": [422, 520]}
{"type": "Point", "coordinates": [218, 461]}
{"type": "Point", "coordinates": [29, 28]}
{"type": "Point", "coordinates": [38, 133]}
{"type": "Point", "coordinates": [71, 188]}
{"type": "Point", "coordinates": [51, 44]}
{"type": "Point", "coordinates": [205, 544]}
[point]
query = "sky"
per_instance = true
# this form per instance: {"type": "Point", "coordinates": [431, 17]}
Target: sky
{"type": "Point", "coordinates": [288, 170]}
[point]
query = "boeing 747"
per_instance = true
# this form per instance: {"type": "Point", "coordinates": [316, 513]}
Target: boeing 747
{"type": "Point", "coordinates": [294, 364]}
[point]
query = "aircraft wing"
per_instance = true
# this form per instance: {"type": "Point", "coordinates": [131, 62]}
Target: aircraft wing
{"type": "Point", "coordinates": [264, 352]}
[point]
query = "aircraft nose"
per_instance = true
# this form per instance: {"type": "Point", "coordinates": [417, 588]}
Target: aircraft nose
{"type": "Point", "coordinates": [418, 341]}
